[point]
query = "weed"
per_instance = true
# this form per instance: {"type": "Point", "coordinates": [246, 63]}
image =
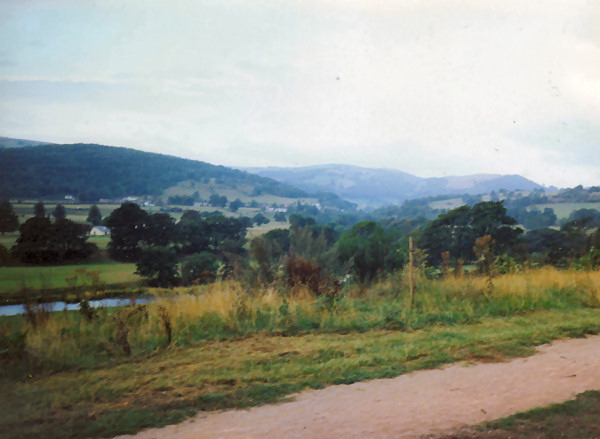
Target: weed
{"type": "Point", "coordinates": [165, 319]}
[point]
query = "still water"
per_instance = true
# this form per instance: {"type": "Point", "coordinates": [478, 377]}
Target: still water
{"type": "Point", "coordinates": [13, 310]}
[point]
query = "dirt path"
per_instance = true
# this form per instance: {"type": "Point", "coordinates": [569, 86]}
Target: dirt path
{"type": "Point", "coordinates": [413, 405]}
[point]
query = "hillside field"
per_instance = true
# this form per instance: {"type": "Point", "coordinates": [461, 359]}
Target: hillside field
{"type": "Point", "coordinates": [563, 210]}
{"type": "Point", "coordinates": [232, 192]}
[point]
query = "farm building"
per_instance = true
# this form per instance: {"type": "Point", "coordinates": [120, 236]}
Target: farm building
{"type": "Point", "coordinates": [99, 231]}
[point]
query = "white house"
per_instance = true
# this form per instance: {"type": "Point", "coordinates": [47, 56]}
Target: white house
{"type": "Point", "coordinates": [99, 231]}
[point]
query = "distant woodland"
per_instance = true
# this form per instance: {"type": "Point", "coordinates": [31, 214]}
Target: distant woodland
{"type": "Point", "coordinates": [91, 172]}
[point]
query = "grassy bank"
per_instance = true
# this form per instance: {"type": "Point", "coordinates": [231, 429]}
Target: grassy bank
{"type": "Point", "coordinates": [230, 347]}
{"type": "Point", "coordinates": [578, 418]}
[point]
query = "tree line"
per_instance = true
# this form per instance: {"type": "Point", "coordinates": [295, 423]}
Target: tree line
{"type": "Point", "coordinates": [202, 246]}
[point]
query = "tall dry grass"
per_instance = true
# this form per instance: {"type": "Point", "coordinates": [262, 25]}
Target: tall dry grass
{"type": "Point", "coordinates": [226, 309]}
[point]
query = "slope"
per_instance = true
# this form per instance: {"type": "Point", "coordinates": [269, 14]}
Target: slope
{"type": "Point", "coordinates": [91, 172]}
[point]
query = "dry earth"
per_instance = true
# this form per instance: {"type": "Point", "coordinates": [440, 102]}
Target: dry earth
{"type": "Point", "coordinates": [410, 406]}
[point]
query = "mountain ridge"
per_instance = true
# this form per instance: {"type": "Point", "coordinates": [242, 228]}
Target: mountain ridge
{"type": "Point", "coordinates": [379, 186]}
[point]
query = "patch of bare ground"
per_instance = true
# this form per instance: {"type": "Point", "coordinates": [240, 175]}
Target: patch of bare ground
{"type": "Point", "coordinates": [430, 403]}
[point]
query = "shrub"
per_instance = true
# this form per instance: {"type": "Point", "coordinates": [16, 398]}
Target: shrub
{"type": "Point", "coordinates": [303, 272]}
{"type": "Point", "coordinates": [199, 268]}
{"type": "Point", "coordinates": [159, 265]}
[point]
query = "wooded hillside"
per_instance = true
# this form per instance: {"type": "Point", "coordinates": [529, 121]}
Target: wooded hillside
{"type": "Point", "coordinates": [91, 172]}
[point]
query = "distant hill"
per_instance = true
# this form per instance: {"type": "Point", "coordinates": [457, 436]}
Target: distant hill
{"type": "Point", "coordinates": [91, 172]}
{"type": "Point", "coordinates": [7, 142]}
{"type": "Point", "coordinates": [376, 187]}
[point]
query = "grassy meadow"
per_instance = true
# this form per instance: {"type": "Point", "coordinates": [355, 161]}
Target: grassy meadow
{"type": "Point", "coordinates": [221, 346]}
{"type": "Point", "coordinates": [16, 279]}
{"type": "Point", "coordinates": [563, 210]}
{"type": "Point", "coordinates": [244, 193]}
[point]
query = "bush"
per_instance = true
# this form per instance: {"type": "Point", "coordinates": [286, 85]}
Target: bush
{"type": "Point", "coordinates": [199, 268]}
{"type": "Point", "coordinates": [304, 272]}
{"type": "Point", "coordinates": [159, 265]}
{"type": "Point", "coordinates": [4, 256]}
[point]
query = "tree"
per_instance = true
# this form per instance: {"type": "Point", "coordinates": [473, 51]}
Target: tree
{"type": "Point", "coordinates": [192, 233]}
{"type": "Point", "coordinates": [127, 226]}
{"type": "Point", "coordinates": [199, 267]}
{"type": "Point", "coordinates": [159, 265]}
{"type": "Point", "coordinates": [214, 233]}
{"type": "Point", "coordinates": [70, 240]}
{"type": "Point", "coordinates": [39, 210]}
{"type": "Point", "coordinates": [457, 230]}
{"type": "Point", "coordinates": [279, 217]}
{"type": "Point", "coordinates": [160, 230]}
{"type": "Point", "coordinates": [4, 256]}
{"type": "Point", "coordinates": [267, 251]}
{"type": "Point", "coordinates": [367, 245]}
{"type": "Point", "coordinates": [94, 216]}
{"type": "Point", "coordinates": [548, 243]}
{"type": "Point", "coordinates": [59, 212]}
{"type": "Point", "coordinates": [235, 205]}
{"type": "Point", "coordinates": [259, 219]}
{"type": "Point", "coordinates": [9, 221]}
{"type": "Point", "coordinates": [217, 200]}
{"type": "Point", "coordinates": [43, 242]}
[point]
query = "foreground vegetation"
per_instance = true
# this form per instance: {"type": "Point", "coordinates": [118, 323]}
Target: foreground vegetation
{"type": "Point", "coordinates": [578, 418]}
{"type": "Point", "coordinates": [221, 346]}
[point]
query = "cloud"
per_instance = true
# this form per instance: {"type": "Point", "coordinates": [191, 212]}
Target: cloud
{"type": "Point", "coordinates": [428, 87]}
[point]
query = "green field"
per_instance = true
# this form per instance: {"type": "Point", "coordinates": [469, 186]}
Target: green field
{"type": "Point", "coordinates": [563, 210]}
{"type": "Point", "coordinates": [75, 212]}
{"type": "Point", "coordinates": [255, 231]}
{"type": "Point", "coordinates": [8, 239]}
{"type": "Point", "coordinates": [244, 193]}
{"type": "Point", "coordinates": [13, 279]}
{"type": "Point", "coordinates": [447, 204]}
{"type": "Point", "coordinates": [100, 241]}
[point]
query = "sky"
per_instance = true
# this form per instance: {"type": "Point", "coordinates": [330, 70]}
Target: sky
{"type": "Point", "coordinates": [432, 88]}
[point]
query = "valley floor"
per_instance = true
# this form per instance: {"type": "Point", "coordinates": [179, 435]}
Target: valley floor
{"type": "Point", "coordinates": [431, 402]}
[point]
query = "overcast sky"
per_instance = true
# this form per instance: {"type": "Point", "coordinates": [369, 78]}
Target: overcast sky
{"type": "Point", "coordinates": [432, 88]}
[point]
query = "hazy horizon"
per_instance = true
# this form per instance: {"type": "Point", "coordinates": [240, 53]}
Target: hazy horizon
{"type": "Point", "coordinates": [433, 89]}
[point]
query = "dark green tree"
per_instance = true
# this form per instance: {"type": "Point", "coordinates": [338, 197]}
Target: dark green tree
{"type": "Point", "coordinates": [9, 221]}
{"type": "Point", "coordinates": [94, 216]}
{"type": "Point", "coordinates": [260, 219]}
{"type": "Point", "coordinates": [39, 210]}
{"type": "Point", "coordinates": [457, 230]}
{"type": "Point", "coordinates": [192, 233]}
{"type": "Point", "coordinates": [279, 217]}
{"type": "Point", "coordinates": [216, 200]}
{"type": "Point", "coordinates": [160, 230]}
{"type": "Point", "coordinates": [5, 258]}
{"type": "Point", "coordinates": [547, 244]}
{"type": "Point", "coordinates": [367, 246]}
{"type": "Point", "coordinates": [43, 242]}
{"type": "Point", "coordinates": [235, 205]}
{"type": "Point", "coordinates": [268, 250]}
{"type": "Point", "coordinates": [159, 265]}
{"type": "Point", "coordinates": [59, 212]}
{"type": "Point", "coordinates": [199, 267]}
{"type": "Point", "coordinates": [128, 225]}
{"type": "Point", "coordinates": [214, 233]}
{"type": "Point", "coordinates": [70, 240]}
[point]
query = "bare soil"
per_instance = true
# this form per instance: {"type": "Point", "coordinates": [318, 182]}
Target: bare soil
{"type": "Point", "coordinates": [421, 404]}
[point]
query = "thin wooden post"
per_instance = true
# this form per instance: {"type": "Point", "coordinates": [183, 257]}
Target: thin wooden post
{"type": "Point", "coordinates": [411, 279]}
